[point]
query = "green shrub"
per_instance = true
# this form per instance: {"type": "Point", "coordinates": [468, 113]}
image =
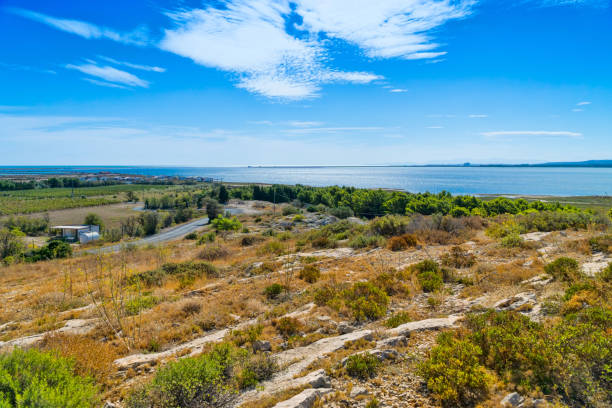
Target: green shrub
{"type": "Point", "coordinates": [429, 275]}
{"type": "Point", "coordinates": [138, 304]}
{"type": "Point", "coordinates": [207, 237]}
{"type": "Point", "coordinates": [564, 269]}
{"type": "Point", "coordinates": [298, 218]}
{"type": "Point", "coordinates": [289, 210]}
{"type": "Point", "coordinates": [453, 372]}
{"type": "Point", "coordinates": [324, 242]}
{"type": "Point", "coordinates": [367, 301]}
{"type": "Point", "coordinates": [256, 368]}
{"type": "Point", "coordinates": [388, 226]}
{"type": "Point", "coordinates": [183, 271]}
{"type": "Point", "coordinates": [273, 290]}
{"type": "Point", "coordinates": [512, 241]}
{"type": "Point", "coordinates": [341, 212]}
{"type": "Point", "coordinates": [271, 248]}
{"type": "Point", "coordinates": [366, 241]}
{"type": "Point", "coordinates": [94, 219]}
{"type": "Point", "coordinates": [55, 249]}
{"type": "Point", "coordinates": [213, 252]}
{"type": "Point", "coordinates": [310, 273]}
{"type": "Point", "coordinates": [363, 366]}
{"type": "Point", "coordinates": [373, 403]}
{"type": "Point", "coordinates": [248, 335]}
{"type": "Point", "coordinates": [191, 236]}
{"type": "Point", "coordinates": [398, 319]}
{"type": "Point", "coordinates": [222, 223]}
{"type": "Point", "coordinates": [202, 381]}
{"type": "Point", "coordinates": [287, 326]}
{"type": "Point", "coordinates": [42, 379]}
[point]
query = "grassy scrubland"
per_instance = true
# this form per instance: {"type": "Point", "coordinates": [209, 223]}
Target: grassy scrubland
{"type": "Point", "coordinates": [269, 282]}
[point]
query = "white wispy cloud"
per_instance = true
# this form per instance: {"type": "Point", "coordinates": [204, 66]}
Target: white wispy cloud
{"type": "Point", "coordinates": [383, 28]}
{"type": "Point", "coordinates": [254, 39]}
{"type": "Point", "coordinates": [249, 38]}
{"type": "Point", "coordinates": [110, 74]}
{"type": "Point", "coordinates": [85, 29]}
{"type": "Point", "coordinates": [104, 83]}
{"type": "Point", "coordinates": [301, 123]}
{"type": "Point", "coordinates": [532, 133]}
{"type": "Point", "coordinates": [131, 65]}
{"type": "Point", "coordinates": [477, 116]}
{"type": "Point", "coordinates": [435, 127]}
{"type": "Point", "coordinates": [583, 103]}
{"type": "Point", "coordinates": [339, 129]}
{"type": "Point", "coordinates": [398, 90]}
{"type": "Point", "coordinates": [553, 3]}
{"type": "Point", "coordinates": [577, 110]}
{"type": "Point", "coordinates": [19, 67]}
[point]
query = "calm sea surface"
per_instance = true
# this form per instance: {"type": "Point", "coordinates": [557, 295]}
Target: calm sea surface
{"type": "Point", "coordinates": [465, 180]}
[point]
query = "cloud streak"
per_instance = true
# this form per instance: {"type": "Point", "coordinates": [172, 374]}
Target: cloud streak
{"type": "Point", "coordinates": [131, 65]}
{"type": "Point", "coordinates": [532, 133]}
{"type": "Point", "coordinates": [85, 29]}
{"type": "Point", "coordinates": [110, 75]}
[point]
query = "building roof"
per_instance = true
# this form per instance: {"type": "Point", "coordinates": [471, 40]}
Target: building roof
{"type": "Point", "coordinates": [74, 227]}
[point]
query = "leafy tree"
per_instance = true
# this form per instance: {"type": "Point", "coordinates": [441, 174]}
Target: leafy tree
{"type": "Point", "coordinates": [213, 209]}
{"type": "Point", "coordinates": [223, 194]}
{"type": "Point", "coordinates": [11, 243]}
{"type": "Point", "coordinates": [150, 222]}
{"type": "Point", "coordinates": [94, 219]}
{"type": "Point", "coordinates": [38, 379]}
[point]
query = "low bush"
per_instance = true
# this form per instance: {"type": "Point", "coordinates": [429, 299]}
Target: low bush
{"type": "Point", "coordinates": [191, 236]}
{"type": "Point", "coordinates": [429, 275]}
{"type": "Point", "coordinates": [207, 237]}
{"type": "Point", "coordinates": [289, 210]}
{"type": "Point", "coordinates": [298, 218]}
{"type": "Point", "coordinates": [341, 212]}
{"type": "Point", "coordinates": [606, 274]}
{"type": "Point", "coordinates": [139, 303]}
{"type": "Point", "coordinates": [512, 241]}
{"type": "Point", "coordinates": [324, 243]}
{"type": "Point", "coordinates": [402, 242]}
{"type": "Point", "coordinates": [458, 258]}
{"type": "Point", "coordinates": [42, 379]}
{"type": "Point", "coordinates": [564, 269]}
{"type": "Point", "coordinates": [453, 372]}
{"type": "Point", "coordinates": [274, 290]}
{"type": "Point", "coordinates": [256, 368]}
{"type": "Point", "coordinates": [366, 241]}
{"type": "Point", "coordinates": [363, 366]}
{"type": "Point", "coordinates": [204, 381]}
{"type": "Point", "coordinates": [388, 226]}
{"type": "Point", "coordinates": [248, 335]}
{"type": "Point", "coordinates": [222, 223]}
{"type": "Point", "coordinates": [55, 249]}
{"type": "Point", "coordinates": [310, 273]}
{"type": "Point", "coordinates": [287, 326]}
{"type": "Point", "coordinates": [250, 240]}
{"type": "Point", "coordinates": [183, 271]}
{"type": "Point", "coordinates": [367, 301]}
{"type": "Point", "coordinates": [392, 283]}
{"type": "Point", "coordinates": [398, 319]}
{"type": "Point", "coordinates": [213, 252]}
{"type": "Point", "coordinates": [271, 248]}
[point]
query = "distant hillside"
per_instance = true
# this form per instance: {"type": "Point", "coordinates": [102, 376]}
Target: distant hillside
{"type": "Point", "coordinates": [588, 163]}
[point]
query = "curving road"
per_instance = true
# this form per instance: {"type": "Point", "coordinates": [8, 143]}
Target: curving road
{"type": "Point", "coordinates": [168, 234]}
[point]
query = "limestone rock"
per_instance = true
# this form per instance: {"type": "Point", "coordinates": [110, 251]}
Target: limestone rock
{"type": "Point", "coordinates": [358, 391]}
{"type": "Point", "coordinates": [427, 324]}
{"type": "Point", "coordinates": [262, 345]}
{"type": "Point", "coordinates": [304, 399]}
{"type": "Point", "coordinates": [513, 399]}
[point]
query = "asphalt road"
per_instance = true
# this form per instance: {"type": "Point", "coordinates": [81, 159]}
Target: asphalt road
{"type": "Point", "coordinates": [169, 234]}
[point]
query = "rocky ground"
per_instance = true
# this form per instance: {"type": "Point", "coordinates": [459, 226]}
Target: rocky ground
{"type": "Point", "coordinates": [311, 365]}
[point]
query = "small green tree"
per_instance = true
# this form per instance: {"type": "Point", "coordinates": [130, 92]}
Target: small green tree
{"type": "Point", "coordinates": [222, 223]}
{"type": "Point", "coordinates": [213, 209]}
{"type": "Point", "coordinates": [150, 221]}
{"type": "Point", "coordinates": [94, 219]}
{"type": "Point", "coordinates": [11, 243]}
{"type": "Point", "coordinates": [223, 194]}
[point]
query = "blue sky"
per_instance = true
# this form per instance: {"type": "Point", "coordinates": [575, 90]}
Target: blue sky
{"type": "Point", "coordinates": [304, 82]}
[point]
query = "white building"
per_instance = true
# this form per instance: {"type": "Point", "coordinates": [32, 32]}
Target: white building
{"type": "Point", "coordinates": [81, 233]}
